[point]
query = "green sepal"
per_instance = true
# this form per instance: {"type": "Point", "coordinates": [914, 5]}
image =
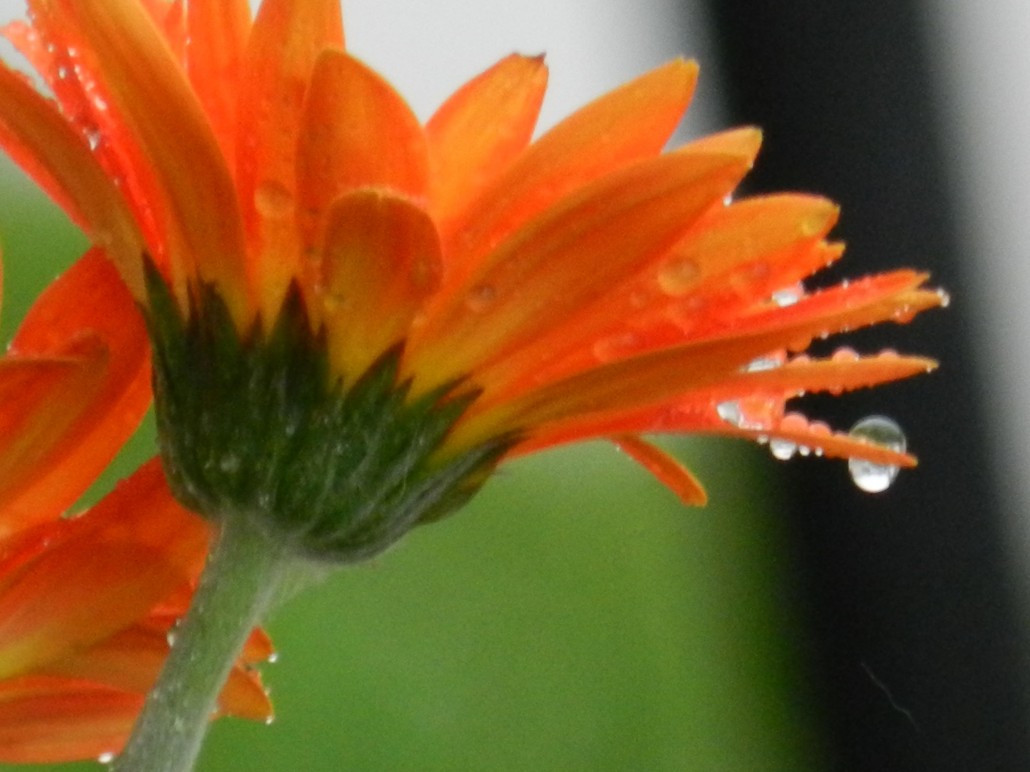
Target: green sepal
{"type": "Point", "coordinates": [256, 426]}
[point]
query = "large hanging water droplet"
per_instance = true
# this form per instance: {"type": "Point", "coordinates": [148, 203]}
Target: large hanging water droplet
{"type": "Point", "coordinates": [880, 430]}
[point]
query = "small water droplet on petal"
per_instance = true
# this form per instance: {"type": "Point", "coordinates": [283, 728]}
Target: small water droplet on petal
{"type": "Point", "coordinates": [783, 450]}
{"type": "Point", "coordinates": [729, 412]}
{"type": "Point", "coordinates": [787, 296]}
{"type": "Point", "coordinates": [678, 275]}
{"type": "Point", "coordinates": [880, 430]}
{"type": "Point", "coordinates": [480, 297]}
{"type": "Point", "coordinates": [106, 757]}
{"type": "Point", "coordinates": [273, 200]}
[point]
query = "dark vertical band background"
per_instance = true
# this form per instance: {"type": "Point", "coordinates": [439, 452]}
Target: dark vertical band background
{"type": "Point", "coordinates": [917, 651]}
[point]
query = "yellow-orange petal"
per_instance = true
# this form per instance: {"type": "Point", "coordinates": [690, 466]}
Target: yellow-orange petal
{"type": "Point", "coordinates": [216, 34]}
{"type": "Point", "coordinates": [668, 470]}
{"type": "Point", "coordinates": [569, 257]}
{"type": "Point", "coordinates": [357, 132]}
{"type": "Point", "coordinates": [87, 313]}
{"type": "Point", "coordinates": [54, 720]}
{"type": "Point", "coordinates": [40, 140]}
{"type": "Point", "coordinates": [480, 130]}
{"type": "Point", "coordinates": [380, 261]}
{"type": "Point", "coordinates": [746, 231]}
{"type": "Point", "coordinates": [285, 41]}
{"type": "Point", "coordinates": [103, 572]}
{"type": "Point", "coordinates": [198, 212]}
{"type": "Point", "coordinates": [628, 124]}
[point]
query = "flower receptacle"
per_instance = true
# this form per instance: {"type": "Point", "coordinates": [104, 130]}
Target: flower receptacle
{"type": "Point", "coordinates": [255, 425]}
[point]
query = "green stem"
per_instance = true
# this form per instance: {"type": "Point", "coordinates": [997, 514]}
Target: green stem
{"type": "Point", "coordinates": [240, 582]}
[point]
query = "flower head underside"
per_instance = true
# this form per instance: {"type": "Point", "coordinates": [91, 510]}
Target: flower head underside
{"type": "Point", "coordinates": [490, 294]}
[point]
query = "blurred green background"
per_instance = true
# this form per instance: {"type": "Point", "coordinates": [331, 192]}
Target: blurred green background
{"type": "Point", "coordinates": [574, 617]}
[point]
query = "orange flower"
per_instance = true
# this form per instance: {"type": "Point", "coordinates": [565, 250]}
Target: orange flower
{"type": "Point", "coordinates": [467, 293]}
{"type": "Point", "coordinates": [86, 603]}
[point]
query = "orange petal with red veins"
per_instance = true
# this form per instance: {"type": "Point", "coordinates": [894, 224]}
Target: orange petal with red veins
{"type": "Point", "coordinates": [381, 260]}
{"type": "Point", "coordinates": [481, 129]}
{"type": "Point", "coordinates": [87, 312]}
{"type": "Point", "coordinates": [571, 256]}
{"type": "Point", "coordinates": [100, 574]}
{"type": "Point", "coordinates": [148, 91]}
{"type": "Point", "coordinates": [217, 32]}
{"type": "Point", "coordinates": [40, 140]}
{"type": "Point", "coordinates": [53, 720]}
{"type": "Point", "coordinates": [669, 471]}
{"type": "Point", "coordinates": [357, 132]}
{"type": "Point", "coordinates": [286, 39]}
{"type": "Point", "coordinates": [628, 124]}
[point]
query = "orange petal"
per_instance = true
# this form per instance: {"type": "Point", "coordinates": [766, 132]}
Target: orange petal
{"type": "Point", "coordinates": [131, 659]}
{"type": "Point", "coordinates": [570, 256]}
{"type": "Point", "coordinates": [357, 132]}
{"type": "Point", "coordinates": [481, 129]}
{"type": "Point", "coordinates": [670, 472]}
{"type": "Point", "coordinates": [148, 92]}
{"type": "Point", "coordinates": [728, 254]}
{"type": "Point", "coordinates": [53, 720]}
{"type": "Point", "coordinates": [628, 124]}
{"type": "Point", "coordinates": [753, 229]}
{"type": "Point", "coordinates": [831, 375]}
{"type": "Point", "coordinates": [41, 398]}
{"type": "Point", "coordinates": [74, 437]}
{"type": "Point", "coordinates": [381, 260]}
{"type": "Point", "coordinates": [103, 572]}
{"type": "Point", "coordinates": [286, 39]}
{"type": "Point", "coordinates": [41, 141]}
{"type": "Point", "coordinates": [662, 376]}
{"type": "Point", "coordinates": [217, 31]}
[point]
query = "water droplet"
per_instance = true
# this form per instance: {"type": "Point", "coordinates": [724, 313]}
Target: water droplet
{"type": "Point", "coordinates": [729, 412]}
{"type": "Point", "coordinates": [106, 757]}
{"type": "Point", "coordinates": [678, 275]}
{"type": "Point", "coordinates": [880, 430]}
{"type": "Point", "coordinates": [787, 296]}
{"type": "Point", "coordinates": [770, 362]}
{"type": "Point", "coordinates": [273, 200]}
{"type": "Point", "coordinates": [229, 463]}
{"type": "Point", "coordinates": [272, 658]}
{"type": "Point", "coordinates": [945, 298]}
{"type": "Point", "coordinates": [270, 720]}
{"type": "Point", "coordinates": [173, 633]}
{"type": "Point", "coordinates": [783, 450]}
{"type": "Point", "coordinates": [480, 297]}
{"type": "Point", "coordinates": [616, 346]}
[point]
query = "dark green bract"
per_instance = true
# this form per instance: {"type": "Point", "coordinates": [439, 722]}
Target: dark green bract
{"type": "Point", "coordinates": [257, 427]}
